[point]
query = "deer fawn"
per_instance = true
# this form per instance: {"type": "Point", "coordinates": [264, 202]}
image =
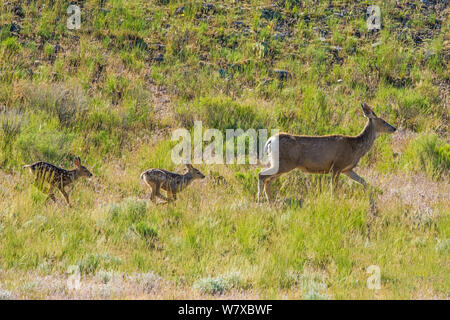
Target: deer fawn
{"type": "Point", "coordinates": [170, 182]}
{"type": "Point", "coordinates": [57, 177]}
{"type": "Point", "coordinates": [333, 154]}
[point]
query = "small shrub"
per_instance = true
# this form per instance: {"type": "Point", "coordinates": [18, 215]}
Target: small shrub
{"type": "Point", "coordinates": [248, 180]}
{"type": "Point", "coordinates": [312, 284]}
{"type": "Point", "coordinates": [131, 210]}
{"type": "Point", "coordinates": [223, 113]}
{"type": "Point", "coordinates": [116, 88]}
{"type": "Point", "coordinates": [48, 50]}
{"type": "Point", "coordinates": [4, 32]}
{"type": "Point", "coordinates": [10, 46]}
{"type": "Point", "coordinates": [68, 105]}
{"type": "Point", "coordinates": [104, 276]}
{"type": "Point", "coordinates": [10, 126]}
{"type": "Point", "coordinates": [218, 285]}
{"type": "Point", "coordinates": [148, 281]}
{"type": "Point", "coordinates": [429, 154]}
{"type": "Point", "coordinates": [42, 140]}
{"type": "Point", "coordinates": [90, 263]}
{"type": "Point", "coordinates": [146, 230]}
{"type": "Point", "coordinates": [443, 246]}
{"type": "Point", "coordinates": [6, 295]}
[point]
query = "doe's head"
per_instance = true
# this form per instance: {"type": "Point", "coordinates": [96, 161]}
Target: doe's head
{"type": "Point", "coordinates": [82, 171]}
{"type": "Point", "coordinates": [381, 126]}
{"type": "Point", "coordinates": [195, 172]}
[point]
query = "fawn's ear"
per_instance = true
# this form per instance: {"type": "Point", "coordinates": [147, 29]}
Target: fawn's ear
{"type": "Point", "coordinates": [189, 166]}
{"type": "Point", "coordinates": [77, 161]}
{"type": "Point", "coordinates": [368, 112]}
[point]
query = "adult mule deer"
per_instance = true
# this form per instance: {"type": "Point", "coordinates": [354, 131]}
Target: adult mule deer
{"type": "Point", "coordinates": [57, 177]}
{"type": "Point", "coordinates": [333, 154]}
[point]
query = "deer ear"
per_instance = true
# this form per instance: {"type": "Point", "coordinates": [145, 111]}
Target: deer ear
{"type": "Point", "coordinates": [77, 161]}
{"type": "Point", "coordinates": [367, 110]}
{"type": "Point", "coordinates": [189, 166]}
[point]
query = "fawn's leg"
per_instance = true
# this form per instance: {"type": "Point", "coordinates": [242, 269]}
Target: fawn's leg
{"type": "Point", "coordinates": [153, 194]}
{"type": "Point", "coordinates": [171, 196]}
{"type": "Point", "coordinates": [158, 192]}
{"type": "Point", "coordinates": [66, 196]}
{"type": "Point", "coordinates": [51, 195]}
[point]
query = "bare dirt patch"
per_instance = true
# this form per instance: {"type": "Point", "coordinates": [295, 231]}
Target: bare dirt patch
{"type": "Point", "coordinates": [416, 191]}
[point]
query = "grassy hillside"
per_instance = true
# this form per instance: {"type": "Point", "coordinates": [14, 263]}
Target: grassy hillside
{"type": "Point", "coordinates": [113, 91]}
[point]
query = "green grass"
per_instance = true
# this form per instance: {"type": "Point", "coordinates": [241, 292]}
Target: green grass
{"type": "Point", "coordinates": [427, 153]}
{"type": "Point", "coordinates": [113, 91]}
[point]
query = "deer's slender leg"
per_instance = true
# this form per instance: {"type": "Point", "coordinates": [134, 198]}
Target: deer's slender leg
{"type": "Point", "coordinates": [267, 192]}
{"type": "Point", "coordinates": [158, 192]}
{"type": "Point", "coordinates": [260, 187]}
{"type": "Point", "coordinates": [153, 187]}
{"type": "Point", "coordinates": [51, 196]}
{"type": "Point", "coordinates": [263, 178]}
{"type": "Point", "coordinates": [66, 196]}
{"type": "Point", "coordinates": [171, 195]}
{"type": "Point", "coordinates": [267, 183]}
{"type": "Point", "coordinates": [49, 192]}
{"type": "Point", "coordinates": [352, 175]}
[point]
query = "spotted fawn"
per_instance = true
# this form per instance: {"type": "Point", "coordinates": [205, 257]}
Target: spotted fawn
{"type": "Point", "coordinates": [170, 182]}
{"type": "Point", "coordinates": [57, 177]}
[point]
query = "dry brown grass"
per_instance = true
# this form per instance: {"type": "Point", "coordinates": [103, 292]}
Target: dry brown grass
{"type": "Point", "coordinates": [106, 285]}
